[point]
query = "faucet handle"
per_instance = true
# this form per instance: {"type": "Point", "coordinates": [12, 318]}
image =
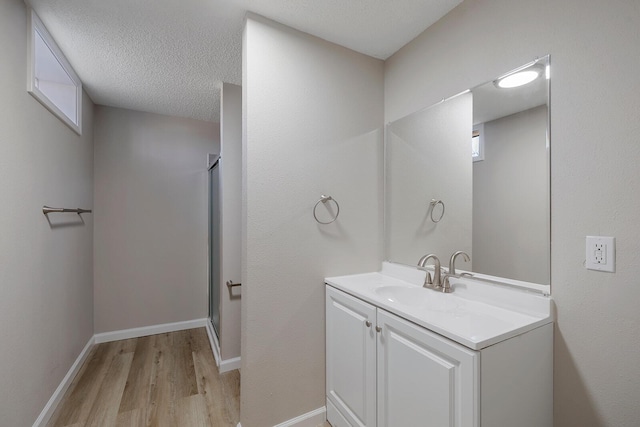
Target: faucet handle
{"type": "Point", "coordinates": [434, 283]}
{"type": "Point", "coordinates": [427, 279]}
{"type": "Point", "coordinates": [446, 285]}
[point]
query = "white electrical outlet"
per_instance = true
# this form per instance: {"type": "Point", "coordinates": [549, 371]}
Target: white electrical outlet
{"type": "Point", "coordinates": [601, 253]}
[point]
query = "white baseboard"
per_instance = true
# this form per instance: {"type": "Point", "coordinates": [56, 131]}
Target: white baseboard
{"type": "Point", "coordinates": [57, 396]}
{"type": "Point", "coordinates": [149, 330]}
{"type": "Point", "coordinates": [223, 365]}
{"type": "Point", "coordinates": [310, 419]}
{"type": "Point", "coordinates": [229, 365]}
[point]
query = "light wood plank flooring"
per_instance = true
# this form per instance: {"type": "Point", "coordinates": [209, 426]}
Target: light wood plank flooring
{"type": "Point", "coordinates": [159, 380]}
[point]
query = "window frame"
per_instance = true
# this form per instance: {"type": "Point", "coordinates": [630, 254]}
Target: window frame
{"type": "Point", "coordinates": [479, 131]}
{"type": "Point", "coordinates": [35, 25]}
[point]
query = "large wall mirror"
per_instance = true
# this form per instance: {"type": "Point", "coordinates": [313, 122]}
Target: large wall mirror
{"type": "Point", "coordinates": [472, 173]}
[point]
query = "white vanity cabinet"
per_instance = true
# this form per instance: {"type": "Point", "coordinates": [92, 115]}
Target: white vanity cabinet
{"type": "Point", "coordinates": [385, 371]}
{"type": "Point", "coordinates": [422, 378]}
{"type": "Point", "coordinates": [351, 360]}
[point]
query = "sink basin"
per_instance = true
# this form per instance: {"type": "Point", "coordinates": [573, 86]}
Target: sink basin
{"type": "Point", "coordinates": [417, 297]}
{"type": "Point", "coordinates": [402, 294]}
{"type": "Point", "coordinates": [476, 315]}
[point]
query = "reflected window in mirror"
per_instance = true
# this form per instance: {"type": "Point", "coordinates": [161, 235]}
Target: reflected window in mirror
{"type": "Point", "coordinates": [477, 143]}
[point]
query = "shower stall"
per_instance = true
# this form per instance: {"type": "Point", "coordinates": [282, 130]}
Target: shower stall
{"type": "Point", "coordinates": [214, 242]}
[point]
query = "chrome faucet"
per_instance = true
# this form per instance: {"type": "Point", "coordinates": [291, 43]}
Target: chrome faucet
{"type": "Point", "coordinates": [452, 261]}
{"type": "Point", "coordinates": [446, 286]}
{"type": "Point", "coordinates": [436, 283]}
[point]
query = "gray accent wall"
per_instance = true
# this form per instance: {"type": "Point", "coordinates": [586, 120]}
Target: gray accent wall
{"type": "Point", "coordinates": [151, 198]}
{"type": "Point", "coordinates": [46, 268]}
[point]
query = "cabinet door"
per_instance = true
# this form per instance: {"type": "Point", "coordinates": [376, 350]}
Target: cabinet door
{"type": "Point", "coordinates": [424, 379]}
{"type": "Point", "coordinates": [351, 358]}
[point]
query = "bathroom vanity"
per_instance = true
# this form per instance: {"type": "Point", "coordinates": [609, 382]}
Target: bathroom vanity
{"type": "Point", "coordinates": [400, 355]}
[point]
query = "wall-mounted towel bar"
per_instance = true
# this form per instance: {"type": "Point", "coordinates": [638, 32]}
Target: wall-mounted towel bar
{"type": "Point", "coordinates": [48, 209]}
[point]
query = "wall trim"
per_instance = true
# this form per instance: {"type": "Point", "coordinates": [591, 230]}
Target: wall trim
{"type": "Point", "coordinates": [223, 365]}
{"type": "Point", "coordinates": [58, 394]}
{"type": "Point", "coordinates": [229, 364]}
{"type": "Point", "coordinates": [148, 330]}
{"type": "Point", "coordinates": [310, 419]}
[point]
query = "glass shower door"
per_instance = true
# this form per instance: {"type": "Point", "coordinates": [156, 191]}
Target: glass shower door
{"type": "Point", "coordinates": [214, 246]}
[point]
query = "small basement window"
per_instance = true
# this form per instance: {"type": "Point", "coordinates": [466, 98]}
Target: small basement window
{"type": "Point", "coordinates": [477, 143]}
{"type": "Point", "coordinates": [51, 79]}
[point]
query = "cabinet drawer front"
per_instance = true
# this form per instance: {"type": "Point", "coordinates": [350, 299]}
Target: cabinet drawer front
{"type": "Point", "coordinates": [424, 379]}
{"type": "Point", "coordinates": [351, 357]}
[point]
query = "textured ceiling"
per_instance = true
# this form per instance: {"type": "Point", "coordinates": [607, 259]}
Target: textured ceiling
{"type": "Point", "coordinates": [171, 56]}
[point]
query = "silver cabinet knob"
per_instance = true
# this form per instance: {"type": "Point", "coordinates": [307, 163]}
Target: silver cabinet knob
{"type": "Point", "coordinates": [368, 323]}
{"type": "Point", "coordinates": [378, 329]}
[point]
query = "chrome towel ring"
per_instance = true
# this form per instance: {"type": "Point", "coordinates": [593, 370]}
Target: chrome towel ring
{"type": "Point", "coordinates": [324, 199]}
{"type": "Point", "coordinates": [432, 206]}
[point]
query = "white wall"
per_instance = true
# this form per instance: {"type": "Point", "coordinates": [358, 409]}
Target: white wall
{"type": "Point", "coordinates": [150, 249]}
{"type": "Point", "coordinates": [312, 113]}
{"type": "Point", "coordinates": [231, 218]}
{"type": "Point", "coordinates": [46, 295]}
{"type": "Point", "coordinates": [511, 199]}
{"type": "Point", "coordinates": [594, 164]}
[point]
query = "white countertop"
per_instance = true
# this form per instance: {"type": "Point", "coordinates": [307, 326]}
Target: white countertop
{"type": "Point", "coordinates": [476, 314]}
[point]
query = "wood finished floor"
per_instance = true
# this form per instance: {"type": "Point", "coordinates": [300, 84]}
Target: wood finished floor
{"type": "Point", "coordinates": [159, 380]}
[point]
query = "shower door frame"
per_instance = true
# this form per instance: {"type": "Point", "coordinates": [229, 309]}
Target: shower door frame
{"type": "Point", "coordinates": [215, 248]}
